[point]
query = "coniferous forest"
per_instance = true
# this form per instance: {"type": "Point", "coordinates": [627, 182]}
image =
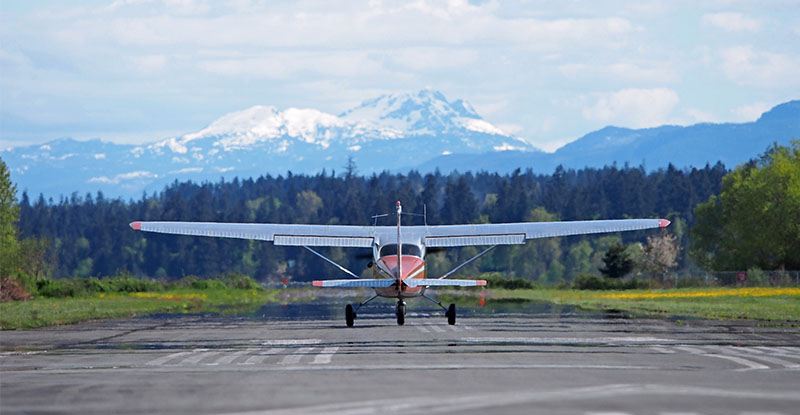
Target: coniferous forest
{"type": "Point", "coordinates": [88, 235]}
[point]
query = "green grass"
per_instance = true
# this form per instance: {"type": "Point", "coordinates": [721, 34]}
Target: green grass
{"type": "Point", "coordinates": [718, 304]}
{"type": "Point", "coordinates": [56, 311]}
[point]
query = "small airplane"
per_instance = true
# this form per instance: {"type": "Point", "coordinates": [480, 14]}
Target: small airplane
{"type": "Point", "coordinates": [398, 253]}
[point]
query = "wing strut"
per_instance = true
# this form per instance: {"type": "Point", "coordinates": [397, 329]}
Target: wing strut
{"type": "Point", "coordinates": [485, 251]}
{"type": "Point", "coordinates": [346, 271]}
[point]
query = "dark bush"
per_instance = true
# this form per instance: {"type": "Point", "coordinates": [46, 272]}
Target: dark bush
{"type": "Point", "coordinates": [128, 284]}
{"type": "Point", "coordinates": [508, 283]}
{"type": "Point", "coordinates": [209, 284]}
{"type": "Point", "coordinates": [595, 282]}
{"type": "Point", "coordinates": [592, 282]}
{"type": "Point", "coordinates": [56, 288]}
{"type": "Point", "coordinates": [245, 282]}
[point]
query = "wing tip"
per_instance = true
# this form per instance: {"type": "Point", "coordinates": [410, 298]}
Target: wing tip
{"type": "Point", "coordinates": [316, 283]}
{"type": "Point", "coordinates": [480, 283]}
{"type": "Point", "coordinates": [663, 223]}
{"type": "Point", "coordinates": [137, 226]}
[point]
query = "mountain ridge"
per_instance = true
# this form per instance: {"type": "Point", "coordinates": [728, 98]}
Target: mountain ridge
{"type": "Point", "coordinates": [396, 132]}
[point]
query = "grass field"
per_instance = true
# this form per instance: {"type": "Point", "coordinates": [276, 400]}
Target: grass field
{"type": "Point", "coordinates": [768, 304]}
{"type": "Point", "coordinates": [56, 311]}
{"type": "Point", "coordinates": [765, 304]}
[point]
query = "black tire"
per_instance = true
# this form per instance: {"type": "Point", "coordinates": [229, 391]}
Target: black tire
{"type": "Point", "coordinates": [401, 314]}
{"type": "Point", "coordinates": [349, 315]}
{"type": "Point", "coordinates": [451, 315]}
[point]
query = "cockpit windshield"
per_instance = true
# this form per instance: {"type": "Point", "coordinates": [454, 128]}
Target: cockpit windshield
{"type": "Point", "coordinates": [408, 249]}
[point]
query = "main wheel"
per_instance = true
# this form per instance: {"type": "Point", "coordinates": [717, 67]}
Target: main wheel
{"type": "Point", "coordinates": [349, 315]}
{"type": "Point", "coordinates": [451, 315]}
{"type": "Point", "coordinates": [401, 313]}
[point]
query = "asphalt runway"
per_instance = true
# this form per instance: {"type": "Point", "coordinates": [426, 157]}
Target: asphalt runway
{"type": "Point", "coordinates": [510, 362]}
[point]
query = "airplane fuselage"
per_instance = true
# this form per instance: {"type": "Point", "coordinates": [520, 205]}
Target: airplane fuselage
{"type": "Point", "coordinates": [411, 267]}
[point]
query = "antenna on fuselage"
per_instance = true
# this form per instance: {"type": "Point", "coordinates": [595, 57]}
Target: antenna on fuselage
{"type": "Point", "coordinates": [378, 216]}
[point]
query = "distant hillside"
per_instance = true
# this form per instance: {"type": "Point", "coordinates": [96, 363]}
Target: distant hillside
{"type": "Point", "coordinates": [693, 145]}
{"type": "Point", "coordinates": [422, 130]}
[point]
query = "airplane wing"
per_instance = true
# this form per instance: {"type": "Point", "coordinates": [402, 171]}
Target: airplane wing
{"type": "Point", "coordinates": [366, 236]}
{"type": "Point", "coordinates": [518, 233]}
{"type": "Point", "coordinates": [388, 282]}
{"type": "Point", "coordinates": [379, 283]}
{"type": "Point", "coordinates": [424, 282]}
{"type": "Point", "coordinates": [279, 234]}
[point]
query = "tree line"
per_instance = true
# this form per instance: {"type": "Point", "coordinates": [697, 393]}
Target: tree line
{"type": "Point", "coordinates": [88, 235]}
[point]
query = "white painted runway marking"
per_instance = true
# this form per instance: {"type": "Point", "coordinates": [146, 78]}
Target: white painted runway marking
{"type": "Point", "coordinates": [294, 358]}
{"type": "Point", "coordinates": [324, 357]}
{"type": "Point", "coordinates": [780, 351]}
{"type": "Point", "coordinates": [261, 357]}
{"type": "Point", "coordinates": [164, 359]}
{"type": "Point", "coordinates": [692, 350]}
{"type": "Point", "coordinates": [663, 350]}
{"type": "Point", "coordinates": [611, 341]}
{"type": "Point", "coordinates": [290, 342]}
{"type": "Point", "coordinates": [193, 360]}
{"type": "Point", "coordinates": [229, 358]}
{"type": "Point", "coordinates": [494, 402]}
{"type": "Point", "coordinates": [435, 328]}
{"type": "Point", "coordinates": [756, 354]}
{"type": "Point", "coordinates": [744, 362]}
{"type": "Point", "coordinates": [422, 329]}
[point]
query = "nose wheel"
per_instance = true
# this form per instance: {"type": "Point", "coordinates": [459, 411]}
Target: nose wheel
{"type": "Point", "coordinates": [401, 313]}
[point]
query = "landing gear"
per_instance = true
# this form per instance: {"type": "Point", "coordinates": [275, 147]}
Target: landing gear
{"type": "Point", "coordinates": [451, 315]}
{"type": "Point", "coordinates": [349, 315]}
{"type": "Point", "coordinates": [401, 313]}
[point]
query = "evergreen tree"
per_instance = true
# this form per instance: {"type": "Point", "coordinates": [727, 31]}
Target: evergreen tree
{"type": "Point", "coordinates": [618, 262]}
{"type": "Point", "coordinates": [8, 219]}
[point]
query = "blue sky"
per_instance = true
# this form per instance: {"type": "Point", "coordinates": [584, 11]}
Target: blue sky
{"type": "Point", "coordinates": [549, 71]}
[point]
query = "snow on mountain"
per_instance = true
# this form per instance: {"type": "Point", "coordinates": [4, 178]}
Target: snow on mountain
{"type": "Point", "coordinates": [385, 133]}
{"type": "Point", "coordinates": [420, 113]}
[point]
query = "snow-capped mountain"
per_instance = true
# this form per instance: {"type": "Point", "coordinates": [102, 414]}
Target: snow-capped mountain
{"type": "Point", "coordinates": [421, 130]}
{"type": "Point", "coordinates": [386, 133]}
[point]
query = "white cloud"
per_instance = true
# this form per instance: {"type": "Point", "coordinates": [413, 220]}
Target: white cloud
{"type": "Point", "coordinates": [732, 22]}
{"type": "Point", "coordinates": [428, 58]}
{"type": "Point", "coordinates": [746, 66]}
{"type": "Point", "coordinates": [188, 170]}
{"type": "Point", "coordinates": [660, 72]}
{"type": "Point", "coordinates": [750, 112]}
{"type": "Point", "coordinates": [697, 115]}
{"type": "Point", "coordinates": [550, 146]}
{"type": "Point", "coordinates": [150, 63]}
{"type": "Point", "coordinates": [635, 108]}
{"type": "Point", "coordinates": [124, 176]}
